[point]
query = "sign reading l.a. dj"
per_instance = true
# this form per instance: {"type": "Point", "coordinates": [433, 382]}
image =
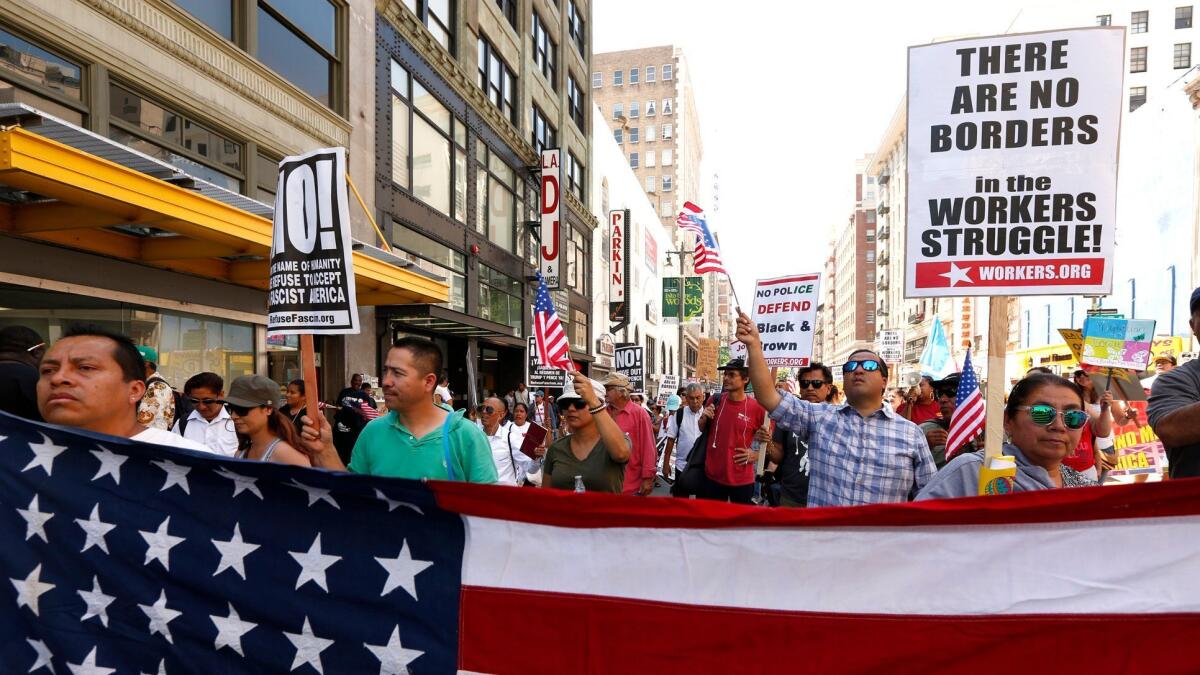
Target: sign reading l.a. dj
{"type": "Point", "coordinates": [550, 252]}
{"type": "Point", "coordinates": [311, 286]}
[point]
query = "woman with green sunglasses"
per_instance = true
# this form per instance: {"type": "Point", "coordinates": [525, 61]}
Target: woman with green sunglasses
{"type": "Point", "coordinates": [1043, 419]}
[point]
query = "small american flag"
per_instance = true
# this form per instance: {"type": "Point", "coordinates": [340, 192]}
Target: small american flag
{"type": "Point", "coordinates": [552, 347]}
{"type": "Point", "coordinates": [708, 254]}
{"type": "Point", "coordinates": [968, 411]}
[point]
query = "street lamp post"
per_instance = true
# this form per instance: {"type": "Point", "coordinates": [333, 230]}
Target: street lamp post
{"type": "Point", "coordinates": [1172, 319]}
{"type": "Point", "coordinates": [1133, 298]}
{"type": "Point", "coordinates": [680, 253]}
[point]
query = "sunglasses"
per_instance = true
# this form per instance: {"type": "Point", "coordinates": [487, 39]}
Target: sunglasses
{"type": "Point", "coordinates": [486, 409]}
{"type": "Point", "coordinates": [202, 401]}
{"type": "Point", "coordinates": [240, 410]}
{"type": "Point", "coordinates": [868, 365]}
{"type": "Point", "coordinates": [1043, 415]}
{"type": "Point", "coordinates": [811, 384]}
{"type": "Point", "coordinates": [572, 403]}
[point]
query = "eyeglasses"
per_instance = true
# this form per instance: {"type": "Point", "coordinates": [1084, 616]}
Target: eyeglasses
{"type": "Point", "coordinates": [869, 365]}
{"type": "Point", "coordinates": [240, 410]}
{"type": "Point", "coordinates": [486, 409]}
{"type": "Point", "coordinates": [571, 403]}
{"type": "Point", "coordinates": [202, 401]}
{"type": "Point", "coordinates": [1043, 415]}
{"type": "Point", "coordinates": [811, 384]}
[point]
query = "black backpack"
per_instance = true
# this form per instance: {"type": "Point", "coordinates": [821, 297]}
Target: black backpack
{"type": "Point", "coordinates": [691, 480]}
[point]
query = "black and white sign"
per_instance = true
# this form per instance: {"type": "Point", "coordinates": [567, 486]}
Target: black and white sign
{"type": "Point", "coordinates": [551, 249]}
{"type": "Point", "coordinates": [312, 274]}
{"type": "Point", "coordinates": [1012, 163]}
{"type": "Point", "coordinates": [668, 386]}
{"type": "Point", "coordinates": [618, 269]}
{"type": "Point", "coordinates": [628, 361]}
{"type": "Point", "coordinates": [785, 311]}
{"type": "Point", "coordinates": [538, 376]}
{"type": "Point", "coordinates": [890, 345]}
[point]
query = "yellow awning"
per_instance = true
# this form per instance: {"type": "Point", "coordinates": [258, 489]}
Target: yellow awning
{"type": "Point", "coordinates": [92, 195]}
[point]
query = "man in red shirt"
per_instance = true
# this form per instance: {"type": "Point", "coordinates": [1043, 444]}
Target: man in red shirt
{"type": "Point", "coordinates": [920, 406]}
{"type": "Point", "coordinates": [729, 462]}
{"type": "Point", "coordinates": [634, 422]}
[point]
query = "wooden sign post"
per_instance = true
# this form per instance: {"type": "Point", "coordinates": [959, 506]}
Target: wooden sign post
{"type": "Point", "coordinates": [997, 350]}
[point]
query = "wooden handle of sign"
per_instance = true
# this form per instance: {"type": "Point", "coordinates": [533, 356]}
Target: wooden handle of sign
{"type": "Point", "coordinates": [762, 455]}
{"type": "Point", "coordinates": [308, 362]}
{"type": "Point", "coordinates": [997, 349]}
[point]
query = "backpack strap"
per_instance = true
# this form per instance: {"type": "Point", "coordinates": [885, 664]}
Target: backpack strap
{"type": "Point", "coordinates": [679, 419]}
{"type": "Point", "coordinates": [446, 447]}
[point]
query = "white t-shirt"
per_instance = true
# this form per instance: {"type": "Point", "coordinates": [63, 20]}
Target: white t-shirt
{"type": "Point", "coordinates": [161, 437]}
{"type": "Point", "coordinates": [444, 392]}
{"type": "Point", "coordinates": [510, 462]}
{"type": "Point", "coordinates": [685, 438]}
{"type": "Point", "coordinates": [217, 435]}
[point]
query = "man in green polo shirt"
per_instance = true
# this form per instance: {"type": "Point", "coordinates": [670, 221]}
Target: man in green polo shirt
{"type": "Point", "coordinates": [411, 440]}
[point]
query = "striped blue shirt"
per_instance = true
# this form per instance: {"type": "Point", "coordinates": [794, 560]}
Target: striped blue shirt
{"type": "Point", "coordinates": [854, 460]}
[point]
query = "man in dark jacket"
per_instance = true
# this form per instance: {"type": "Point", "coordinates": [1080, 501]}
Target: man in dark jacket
{"type": "Point", "coordinates": [787, 450]}
{"type": "Point", "coordinates": [21, 349]}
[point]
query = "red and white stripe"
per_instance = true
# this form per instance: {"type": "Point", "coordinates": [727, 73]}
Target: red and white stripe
{"type": "Point", "coordinates": [551, 340]}
{"type": "Point", "coordinates": [1083, 580]}
{"type": "Point", "coordinates": [967, 423]}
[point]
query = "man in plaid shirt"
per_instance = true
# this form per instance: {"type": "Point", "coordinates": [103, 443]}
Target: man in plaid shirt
{"type": "Point", "coordinates": [860, 452]}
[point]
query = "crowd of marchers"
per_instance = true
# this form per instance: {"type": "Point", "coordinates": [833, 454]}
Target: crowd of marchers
{"type": "Point", "coordinates": [820, 450]}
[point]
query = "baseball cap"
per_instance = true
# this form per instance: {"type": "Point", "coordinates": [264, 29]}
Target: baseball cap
{"type": "Point", "coordinates": [148, 353]}
{"type": "Point", "coordinates": [1166, 357]}
{"type": "Point", "coordinates": [673, 402]}
{"type": "Point", "coordinates": [735, 364]}
{"type": "Point", "coordinates": [251, 391]}
{"type": "Point", "coordinates": [1195, 300]}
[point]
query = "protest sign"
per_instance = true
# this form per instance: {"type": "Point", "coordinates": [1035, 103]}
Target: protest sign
{"type": "Point", "coordinates": [737, 350]}
{"type": "Point", "coordinates": [537, 375]}
{"type": "Point", "coordinates": [668, 386]}
{"type": "Point", "coordinates": [618, 269]}
{"type": "Point", "coordinates": [311, 285]}
{"type": "Point", "coordinates": [629, 362]}
{"type": "Point", "coordinates": [1117, 343]}
{"type": "Point", "coordinates": [890, 345]}
{"type": "Point", "coordinates": [551, 232]}
{"type": "Point", "coordinates": [1012, 163]}
{"type": "Point", "coordinates": [707, 351]}
{"type": "Point", "coordinates": [1138, 449]}
{"type": "Point", "coordinates": [785, 310]}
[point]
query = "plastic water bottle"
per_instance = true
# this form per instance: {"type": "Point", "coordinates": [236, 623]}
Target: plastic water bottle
{"type": "Point", "coordinates": [579, 484]}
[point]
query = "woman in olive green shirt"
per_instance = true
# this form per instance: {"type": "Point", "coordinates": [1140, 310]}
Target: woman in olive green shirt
{"type": "Point", "coordinates": [595, 448]}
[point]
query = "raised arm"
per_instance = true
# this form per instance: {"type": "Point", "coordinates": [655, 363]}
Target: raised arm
{"type": "Point", "coordinates": [614, 440]}
{"type": "Point", "coordinates": [760, 376]}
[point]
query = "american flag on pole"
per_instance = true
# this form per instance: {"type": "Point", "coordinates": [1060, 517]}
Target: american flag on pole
{"type": "Point", "coordinates": [549, 336]}
{"type": "Point", "coordinates": [708, 254]}
{"type": "Point", "coordinates": [969, 417]}
{"type": "Point", "coordinates": [135, 558]}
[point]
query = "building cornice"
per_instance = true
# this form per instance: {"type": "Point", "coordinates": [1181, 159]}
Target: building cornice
{"type": "Point", "coordinates": [410, 28]}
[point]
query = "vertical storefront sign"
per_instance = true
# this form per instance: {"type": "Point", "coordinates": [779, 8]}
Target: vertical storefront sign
{"type": "Point", "coordinates": [618, 269]}
{"type": "Point", "coordinates": [551, 248]}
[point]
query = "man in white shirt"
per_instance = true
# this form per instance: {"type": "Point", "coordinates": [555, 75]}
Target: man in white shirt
{"type": "Point", "coordinates": [512, 465]}
{"type": "Point", "coordinates": [209, 423]}
{"type": "Point", "coordinates": [683, 436]}
{"type": "Point", "coordinates": [92, 379]}
{"type": "Point", "coordinates": [441, 393]}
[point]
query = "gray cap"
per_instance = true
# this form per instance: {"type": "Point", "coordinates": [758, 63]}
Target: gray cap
{"type": "Point", "coordinates": [251, 391]}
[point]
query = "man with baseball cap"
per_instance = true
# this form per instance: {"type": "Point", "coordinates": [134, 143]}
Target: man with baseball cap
{"type": "Point", "coordinates": [634, 421]}
{"type": "Point", "coordinates": [157, 409]}
{"type": "Point", "coordinates": [1174, 409]}
{"type": "Point", "coordinates": [936, 430]}
{"type": "Point", "coordinates": [729, 460]}
{"type": "Point", "coordinates": [1164, 362]}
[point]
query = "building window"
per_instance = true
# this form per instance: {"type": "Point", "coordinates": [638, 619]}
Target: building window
{"type": "Point", "coordinates": [300, 44]}
{"type": "Point", "coordinates": [633, 135]}
{"type": "Point", "coordinates": [871, 216]}
{"type": "Point", "coordinates": [870, 236]}
{"type": "Point", "coordinates": [578, 328]}
{"type": "Point", "coordinates": [1137, 98]}
{"type": "Point", "coordinates": [619, 136]}
{"type": "Point", "coordinates": [870, 256]}
{"type": "Point", "coordinates": [429, 156]}
{"type": "Point", "coordinates": [634, 108]}
{"type": "Point", "coordinates": [667, 131]}
{"type": "Point", "coordinates": [575, 103]}
{"type": "Point", "coordinates": [650, 133]}
{"type": "Point", "coordinates": [634, 74]}
{"type": "Point", "coordinates": [618, 78]}
{"type": "Point", "coordinates": [649, 160]}
{"type": "Point", "coordinates": [496, 186]}
{"type": "Point", "coordinates": [1137, 60]}
{"type": "Point", "coordinates": [667, 183]}
{"type": "Point", "coordinates": [1183, 55]}
{"type": "Point", "coordinates": [618, 110]}
{"type": "Point", "coordinates": [651, 183]}
{"type": "Point", "coordinates": [667, 208]}
{"type": "Point", "coordinates": [501, 298]}
{"type": "Point", "coordinates": [544, 51]}
{"type": "Point", "coordinates": [509, 9]}
{"type": "Point", "coordinates": [597, 80]}
{"type": "Point", "coordinates": [668, 71]}
{"type": "Point", "coordinates": [41, 78]}
{"type": "Point", "coordinates": [438, 17]}
{"type": "Point", "coordinates": [544, 134]}
{"type": "Point", "coordinates": [575, 177]}
{"type": "Point", "coordinates": [633, 160]}
{"type": "Point", "coordinates": [575, 26]}
{"type": "Point", "coordinates": [650, 73]}
{"type": "Point", "coordinates": [217, 15]}
{"type": "Point", "coordinates": [1139, 22]}
{"type": "Point", "coordinates": [436, 258]}
{"type": "Point", "coordinates": [1183, 17]}
{"type": "Point", "coordinates": [171, 137]}
{"type": "Point", "coordinates": [576, 269]}
{"type": "Point", "coordinates": [668, 107]}
{"type": "Point", "coordinates": [666, 158]}
{"type": "Point", "coordinates": [1104, 20]}
{"type": "Point", "coordinates": [870, 316]}
{"type": "Point", "coordinates": [497, 80]}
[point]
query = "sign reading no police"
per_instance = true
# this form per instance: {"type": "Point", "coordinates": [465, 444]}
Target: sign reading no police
{"type": "Point", "coordinates": [785, 311]}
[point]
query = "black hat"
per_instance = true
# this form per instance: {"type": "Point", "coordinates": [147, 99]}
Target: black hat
{"type": "Point", "coordinates": [1195, 301]}
{"type": "Point", "coordinates": [736, 364]}
{"type": "Point", "coordinates": [948, 383]}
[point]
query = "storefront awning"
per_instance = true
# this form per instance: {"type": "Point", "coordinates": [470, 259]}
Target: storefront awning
{"type": "Point", "coordinates": [445, 321]}
{"type": "Point", "coordinates": [67, 196]}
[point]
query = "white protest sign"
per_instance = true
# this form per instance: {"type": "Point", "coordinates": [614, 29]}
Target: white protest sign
{"type": "Point", "coordinates": [785, 311]}
{"type": "Point", "coordinates": [890, 345]}
{"type": "Point", "coordinates": [1012, 163]}
{"type": "Point", "coordinates": [550, 252]}
{"type": "Point", "coordinates": [668, 386]}
{"type": "Point", "coordinates": [311, 284]}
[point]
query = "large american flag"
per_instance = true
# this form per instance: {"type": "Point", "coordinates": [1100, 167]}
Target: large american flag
{"type": "Point", "coordinates": [708, 253]}
{"type": "Point", "coordinates": [125, 557]}
{"type": "Point", "coordinates": [549, 336]}
{"type": "Point", "coordinates": [969, 418]}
